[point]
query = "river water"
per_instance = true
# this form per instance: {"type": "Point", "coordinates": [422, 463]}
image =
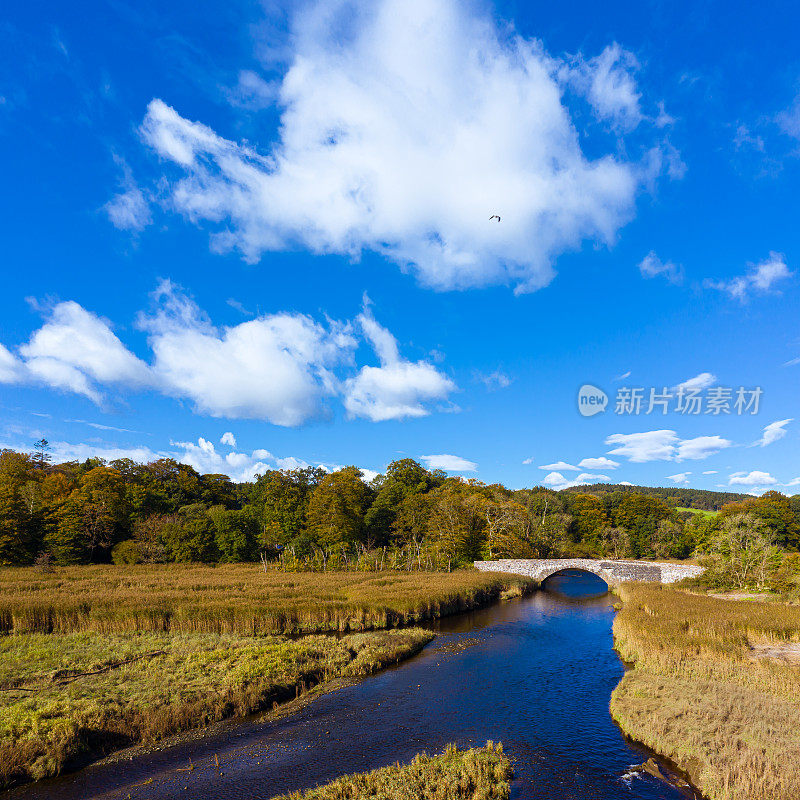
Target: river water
{"type": "Point", "coordinates": [535, 674]}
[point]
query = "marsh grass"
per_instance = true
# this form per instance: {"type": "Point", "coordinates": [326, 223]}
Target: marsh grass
{"type": "Point", "coordinates": [236, 599]}
{"type": "Point", "coordinates": [69, 698]}
{"type": "Point", "coordinates": [479, 774]}
{"type": "Point", "coordinates": [700, 696]}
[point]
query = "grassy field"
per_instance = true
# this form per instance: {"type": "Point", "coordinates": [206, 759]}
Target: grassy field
{"type": "Point", "coordinates": [479, 774]}
{"type": "Point", "coordinates": [237, 599]}
{"type": "Point", "coordinates": [68, 698]}
{"type": "Point", "coordinates": [715, 688]}
{"type": "Point", "coordinates": [700, 511]}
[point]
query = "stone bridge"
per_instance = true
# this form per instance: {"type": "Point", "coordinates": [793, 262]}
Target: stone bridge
{"type": "Point", "coordinates": [612, 572]}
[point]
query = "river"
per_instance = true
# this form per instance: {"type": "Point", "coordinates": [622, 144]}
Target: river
{"type": "Point", "coordinates": [535, 673]}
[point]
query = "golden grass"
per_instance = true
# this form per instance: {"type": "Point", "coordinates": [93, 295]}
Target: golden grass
{"type": "Point", "coordinates": [235, 599]}
{"type": "Point", "coordinates": [700, 695]}
{"type": "Point", "coordinates": [68, 698]}
{"type": "Point", "coordinates": [478, 774]}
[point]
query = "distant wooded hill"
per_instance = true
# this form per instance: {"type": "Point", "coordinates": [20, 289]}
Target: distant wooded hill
{"type": "Point", "coordinates": [702, 499]}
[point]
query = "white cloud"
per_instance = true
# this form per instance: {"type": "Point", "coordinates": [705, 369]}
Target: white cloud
{"type": "Point", "coordinates": [761, 277]}
{"type": "Point", "coordinates": [11, 368]}
{"type": "Point", "coordinates": [560, 465]}
{"type": "Point", "coordinates": [651, 266]}
{"type": "Point", "coordinates": [74, 349]}
{"type": "Point", "coordinates": [237, 466]}
{"type": "Point", "coordinates": [609, 84]}
{"type": "Point", "coordinates": [129, 210]}
{"type": "Point", "coordinates": [368, 475]}
{"type": "Point", "coordinates": [397, 388]}
{"type": "Point", "coordinates": [754, 478]}
{"type": "Point", "coordinates": [275, 367]}
{"type": "Point", "coordinates": [789, 120]}
{"type": "Point", "coordinates": [680, 477]}
{"type": "Point", "coordinates": [449, 463]}
{"type": "Point", "coordinates": [623, 376]}
{"type": "Point", "coordinates": [664, 445]}
{"type": "Point", "coordinates": [229, 439]}
{"type": "Point", "coordinates": [494, 380]}
{"type": "Point", "coordinates": [700, 447]}
{"type": "Point", "coordinates": [702, 381]}
{"type": "Point", "coordinates": [529, 460]}
{"type": "Point", "coordinates": [252, 92]}
{"type": "Point", "coordinates": [773, 432]}
{"type": "Point", "coordinates": [405, 124]}
{"type": "Point", "coordinates": [557, 481]}
{"type": "Point", "coordinates": [646, 446]}
{"type": "Point", "coordinates": [598, 463]}
{"type": "Point", "coordinates": [710, 472]}
{"type": "Point", "coordinates": [280, 367]}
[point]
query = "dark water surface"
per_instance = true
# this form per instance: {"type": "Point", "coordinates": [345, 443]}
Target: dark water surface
{"type": "Point", "coordinates": [535, 674]}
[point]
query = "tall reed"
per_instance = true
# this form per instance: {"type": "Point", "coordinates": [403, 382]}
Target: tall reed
{"type": "Point", "coordinates": [237, 599]}
{"type": "Point", "coordinates": [479, 774]}
{"type": "Point", "coordinates": [701, 694]}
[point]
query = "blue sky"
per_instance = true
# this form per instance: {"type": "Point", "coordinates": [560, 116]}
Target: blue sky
{"type": "Point", "coordinates": [271, 221]}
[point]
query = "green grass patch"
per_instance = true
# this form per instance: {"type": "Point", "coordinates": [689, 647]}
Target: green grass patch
{"type": "Point", "coordinates": [69, 698]}
{"type": "Point", "coordinates": [702, 512]}
{"type": "Point", "coordinates": [479, 774]}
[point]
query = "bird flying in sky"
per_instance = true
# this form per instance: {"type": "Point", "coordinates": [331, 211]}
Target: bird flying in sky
{"type": "Point", "coordinates": [494, 216]}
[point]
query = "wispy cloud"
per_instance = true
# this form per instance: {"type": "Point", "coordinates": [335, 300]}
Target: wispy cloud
{"type": "Point", "coordinates": [760, 278]}
{"type": "Point", "coordinates": [493, 380]}
{"type": "Point", "coordinates": [773, 432]}
{"type": "Point", "coordinates": [700, 382]}
{"type": "Point", "coordinates": [651, 266]}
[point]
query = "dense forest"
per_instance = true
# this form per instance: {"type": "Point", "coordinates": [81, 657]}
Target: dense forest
{"type": "Point", "coordinates": [408, 518]}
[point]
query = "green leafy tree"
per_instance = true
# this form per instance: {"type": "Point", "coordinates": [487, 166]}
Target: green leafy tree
{"type": "Point", "coordinates": [336, 508]}
{"type": "Point", "coordinates": [235, 533]}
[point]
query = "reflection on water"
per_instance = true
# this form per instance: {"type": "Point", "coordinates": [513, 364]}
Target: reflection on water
{"type": "Point", "coordinates": [575, 584]}
{"type": "Point", "coordinates": [534, 673]}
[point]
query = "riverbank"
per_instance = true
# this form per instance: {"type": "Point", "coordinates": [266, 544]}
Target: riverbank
{"type": "Point", "coordinates": [237, 599]}
{"type": "Point", "coordinates": [71, 698]}
{"type": "Point", "coordinates": [481, 773]}
{"type": "Point", "coordinates": [710, 691]}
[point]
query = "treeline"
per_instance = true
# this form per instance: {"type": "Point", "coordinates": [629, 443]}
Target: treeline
{"type": "Point", "coordinates": [409, 518]}
{"type": "Point", "coordinates": [702, 499]}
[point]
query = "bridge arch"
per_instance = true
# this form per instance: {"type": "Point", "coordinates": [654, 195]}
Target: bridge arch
{"type": "Point", "coordinates": [599, 572]}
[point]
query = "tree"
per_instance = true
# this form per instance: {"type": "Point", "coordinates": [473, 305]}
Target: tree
{"type": "Point", "coordinates": [18, 536]}
{"type": "Point", "coordinates": [456, 523]}
{"type": "Point", "coordinates": [235, 533]}
{"type": "Point", "coordinates": [42, 454]}
{"type": "Point", "coordinates": [508, 529]}
{"type": "Point", "coordinates": [743, 552]}
{"type": "Point", "coordinates": [189, 535]}
{"type": "Point", "coordinates": [281, 501]}
{"type": "Point", "coordinates": [775, 511]}
{"type": "Point", "coordinates": [336, 508]}
{"type": "Point", "coordinates": [404, 478]}
{"type": "Point", "coordinates": [103, 509]}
